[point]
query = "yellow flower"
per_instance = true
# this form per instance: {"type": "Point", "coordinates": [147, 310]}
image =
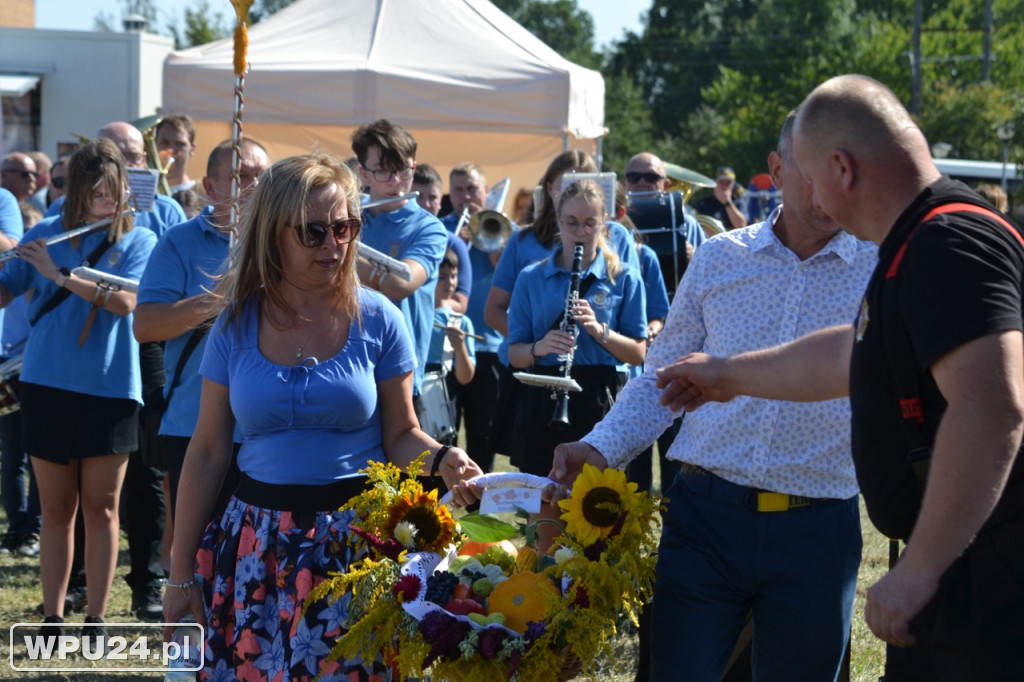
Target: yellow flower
{"type": "Point", "coordinates": [435, 527]}
{"type": "Point", "coordinates": [598, 500]}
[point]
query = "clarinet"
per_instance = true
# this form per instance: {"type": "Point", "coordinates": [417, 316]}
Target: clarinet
{"type": "Point", "coordinates": [560, 419]}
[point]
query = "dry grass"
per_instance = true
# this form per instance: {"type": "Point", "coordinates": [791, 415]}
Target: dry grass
{"type": "Point", "coordinates": [20, 592]}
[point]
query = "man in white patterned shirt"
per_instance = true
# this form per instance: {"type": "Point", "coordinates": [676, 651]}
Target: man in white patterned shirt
{"type": "Point", "coordinates": [764, 515]}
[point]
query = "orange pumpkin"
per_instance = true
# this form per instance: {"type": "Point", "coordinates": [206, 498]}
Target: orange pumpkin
{"type": "Point", "coordinates": [522, 598]}
{"type": "Point", "coordinates": [472, 547]}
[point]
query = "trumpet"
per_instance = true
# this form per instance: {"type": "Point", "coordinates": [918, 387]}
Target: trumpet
{"type": "Point", "coordinates": [490, 230]}
{"type": "Point", "coordinates": [70, 234]}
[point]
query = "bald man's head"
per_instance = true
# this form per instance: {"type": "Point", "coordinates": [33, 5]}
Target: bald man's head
{"type": "Point", "coordinates": [645, 172]}
{"type": "Point", "coordinates": [860, 114]}
{"type": "Point", "coordinates": [128, 139]}
{"type": "Point", "coordinates": [864, 156]}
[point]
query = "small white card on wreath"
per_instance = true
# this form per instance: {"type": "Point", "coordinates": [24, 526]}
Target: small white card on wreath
{"type": "Point", "coordinates": [497, 500]}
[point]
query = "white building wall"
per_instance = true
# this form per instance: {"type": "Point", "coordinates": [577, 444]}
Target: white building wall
{"type": "Point", "coordinates": [87, 78]}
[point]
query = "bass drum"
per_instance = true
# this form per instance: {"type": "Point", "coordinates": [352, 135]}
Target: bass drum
{"type": "Point", "coordinates": [660, 217]}
{"type": "Point", "coordinates": [438, 410]}
{"type": "Point", "coordinates": [10, 386]}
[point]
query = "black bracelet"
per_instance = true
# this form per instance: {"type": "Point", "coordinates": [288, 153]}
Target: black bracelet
{"type": "Point", "coordinates": [437, 459]}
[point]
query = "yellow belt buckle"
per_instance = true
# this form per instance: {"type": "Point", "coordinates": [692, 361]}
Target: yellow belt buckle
{"type": "Point", "coordinates": [776, 502]}
{"type": "Point", "coordinates": [772, 502]}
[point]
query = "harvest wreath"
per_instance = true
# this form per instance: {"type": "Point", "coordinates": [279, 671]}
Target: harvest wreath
{"type": "Point", "coordinates": [446, 596]}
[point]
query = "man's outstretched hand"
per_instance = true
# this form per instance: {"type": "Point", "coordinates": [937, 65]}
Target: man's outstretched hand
{"type": "Point", "coordinates": [692, 381]}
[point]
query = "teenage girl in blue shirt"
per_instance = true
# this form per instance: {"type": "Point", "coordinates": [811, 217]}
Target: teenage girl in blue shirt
{"type": "Point", "coordinates": [611, 326]}
{"type": "Point", "coordinates": [317, 371]}
{"type": "Point", "coordinates": [81, 362]}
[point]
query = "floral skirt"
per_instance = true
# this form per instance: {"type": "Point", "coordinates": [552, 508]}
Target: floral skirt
{"type": "Point", "coordinates": [259, 566]}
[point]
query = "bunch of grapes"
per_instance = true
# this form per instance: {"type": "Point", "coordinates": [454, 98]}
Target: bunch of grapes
{"type": "Point", "coordinates": [496, 555]}
{"type": "Point", "coordinates": [471, 576]}
{"type": "Point", "coordinates": [441, 586]}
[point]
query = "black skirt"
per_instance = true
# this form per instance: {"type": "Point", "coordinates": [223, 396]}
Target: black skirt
{"type": "Point", "coordinates": [59, 426]}
{"type": "Point", "coordinates": [534, 437]}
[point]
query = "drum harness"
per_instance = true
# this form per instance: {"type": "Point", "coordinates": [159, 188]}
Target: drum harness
{"type": "Point", "coordinates": [916, 431]}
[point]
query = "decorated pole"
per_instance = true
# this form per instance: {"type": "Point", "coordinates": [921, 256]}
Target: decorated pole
{"type": "Point", "coordinates": [241, 66]}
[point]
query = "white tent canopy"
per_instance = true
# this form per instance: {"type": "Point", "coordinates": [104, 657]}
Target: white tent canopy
{"type": "Point", "coordinates": [464, 78]}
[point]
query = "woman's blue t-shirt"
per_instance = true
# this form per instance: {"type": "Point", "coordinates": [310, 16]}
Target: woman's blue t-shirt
{"type": "Point", "coordinates": [315, 422]}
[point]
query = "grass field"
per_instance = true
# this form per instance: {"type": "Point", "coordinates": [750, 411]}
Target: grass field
{"type": "Point", "coordinates": [20, 592]}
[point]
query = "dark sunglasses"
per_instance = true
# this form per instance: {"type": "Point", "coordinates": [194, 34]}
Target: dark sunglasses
{"type": "Point", "coordinates": [646, 177]}
{"type": "Point", "coordinates": [312, 235]}
{"type": "Point", "coordinates": [25, 174]}
{"type": "Point", "coordinates": [58, 182]}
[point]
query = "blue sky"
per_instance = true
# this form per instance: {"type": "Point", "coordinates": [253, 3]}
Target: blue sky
{"type": "Point", "coordinates": [611, 17]}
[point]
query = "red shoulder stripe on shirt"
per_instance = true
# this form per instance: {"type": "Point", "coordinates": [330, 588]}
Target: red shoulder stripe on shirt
{"type": "Point", "coordinates": [951, 208]}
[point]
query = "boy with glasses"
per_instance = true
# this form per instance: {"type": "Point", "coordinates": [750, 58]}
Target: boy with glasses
{"type": "Point", "coordinates": [402, 230]}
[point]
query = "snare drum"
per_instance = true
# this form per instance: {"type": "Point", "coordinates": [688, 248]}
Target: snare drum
{"type": "Point", "coordinates": [10, 386]}
{"type": "Point", "coordinates": [438, 416]}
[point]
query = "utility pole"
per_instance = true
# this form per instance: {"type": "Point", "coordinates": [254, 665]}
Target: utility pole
{"type": "Point", "coordinates": [915, 60]}
{"type": "Point", "coordinates": [986, 64]}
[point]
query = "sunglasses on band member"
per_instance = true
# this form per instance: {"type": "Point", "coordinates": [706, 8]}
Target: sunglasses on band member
{"type": "Point", "coordinates": [646, 177]}
{"type": "Point", "coordinates": [58, 182]}
{"type": "Point", "coordinates": [25, 174]}
{"type": "Point", "coordinates": [311, 235]}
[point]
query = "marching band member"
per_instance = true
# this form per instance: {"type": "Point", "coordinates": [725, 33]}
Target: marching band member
{"type": "Point", "coordinates": [610, 320]}
{"type": "Point", "coordinates": [532, 244]}
{"type": "Point", "coordinates": [401, 230]}
{"type": "Point", "coordinates": [175, 299]}
{"type": "Point", "coordinates": [427, 181]}
{"type": "Point", "coordinates": [81, 362]}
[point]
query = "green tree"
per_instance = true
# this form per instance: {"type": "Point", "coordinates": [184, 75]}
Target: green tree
{"type": "Point", "coordinates": [561, 24]}
{"type": "Point", "coordinates": [202, 26]}
{"type": "Point", "coordinates": [145, 8]}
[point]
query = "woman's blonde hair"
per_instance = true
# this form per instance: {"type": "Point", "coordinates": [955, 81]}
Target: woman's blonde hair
{"type": "Point", "coordinates": [593, 194]}
{"type": "Point", "coordinates": [280, 200]}
{"type": "Point", "coordinates": [97, 165]}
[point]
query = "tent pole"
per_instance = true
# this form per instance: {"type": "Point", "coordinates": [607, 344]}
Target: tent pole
{"type": "Point", "coordinates": [600, 152]}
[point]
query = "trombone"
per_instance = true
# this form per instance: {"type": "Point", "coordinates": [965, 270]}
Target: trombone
{"type": "Point", "coordinates": [490, 230]}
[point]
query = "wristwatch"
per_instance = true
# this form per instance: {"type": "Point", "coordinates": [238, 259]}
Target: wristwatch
{"type": "Point", "coordinates": [62, 277]}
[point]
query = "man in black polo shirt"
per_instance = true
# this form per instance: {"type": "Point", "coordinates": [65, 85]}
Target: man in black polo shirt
{"type": "Point", "coordinates": [934, 366]}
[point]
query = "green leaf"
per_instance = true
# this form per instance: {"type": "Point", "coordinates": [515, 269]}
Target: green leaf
{"type": "Point", "coordinates": [487, 528]}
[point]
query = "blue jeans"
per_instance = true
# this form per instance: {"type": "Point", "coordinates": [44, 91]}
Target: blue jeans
{"type": "Point", "coordinates": [15, 472]}
{"type": "Point", "coordinates": [719, 559]}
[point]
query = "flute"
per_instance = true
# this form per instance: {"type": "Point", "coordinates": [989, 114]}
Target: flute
{"type": "Point", "coordinates": [472, 336]}
{"type": "Point", "coordinates": [57, 238]}
{"type": "Point", "coordinates": [388, 200]}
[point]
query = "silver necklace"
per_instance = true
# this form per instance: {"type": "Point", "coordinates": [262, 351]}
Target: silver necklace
{"type": "Point", "coordinates": [302, 346]}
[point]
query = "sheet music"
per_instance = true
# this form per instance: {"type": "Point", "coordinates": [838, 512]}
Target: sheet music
{"type": "Point", "coordinates": [142, 188]}
{"type": "Point", "coordinates": [606, 180]}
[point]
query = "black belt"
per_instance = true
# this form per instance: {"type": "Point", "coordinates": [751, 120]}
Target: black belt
{"type": "Point", "coordinates": [294, 497]}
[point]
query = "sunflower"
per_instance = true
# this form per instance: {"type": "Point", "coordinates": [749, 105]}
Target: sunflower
{"type": "Point", "coordinates": [598, 500]}
{"type": "Point", "coordinates": [435, 527]}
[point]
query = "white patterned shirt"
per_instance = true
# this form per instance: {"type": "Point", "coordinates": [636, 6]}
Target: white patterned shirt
{"type": "Point", "coordinates": [742, 291]}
